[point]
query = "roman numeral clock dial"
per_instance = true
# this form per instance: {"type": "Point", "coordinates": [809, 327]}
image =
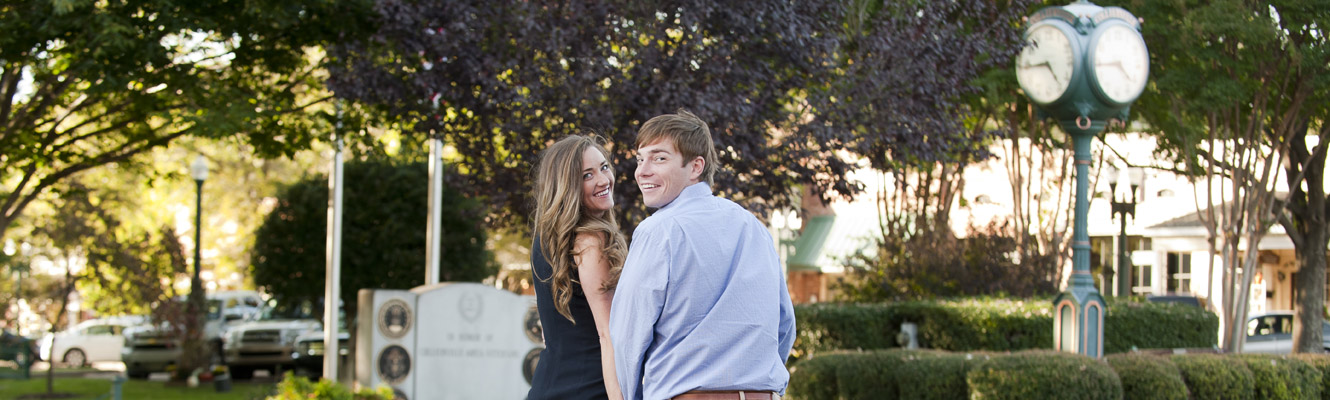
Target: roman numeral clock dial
{"type": "Point", "coordinates": [1119, 63]}
{"type": "Point", "coordinates": [1045, 66]}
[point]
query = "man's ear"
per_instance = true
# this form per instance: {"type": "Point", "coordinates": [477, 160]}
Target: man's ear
{"type": "Point", "coordinates": [695, 168]}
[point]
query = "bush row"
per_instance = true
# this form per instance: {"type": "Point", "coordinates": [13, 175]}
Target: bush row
{"type": "Point", "coordinates": [995, 325]}
{"type": "Point", "coordinates": [1043, 374]}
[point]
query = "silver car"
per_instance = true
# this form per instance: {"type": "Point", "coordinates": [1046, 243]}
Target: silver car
{"type": "Point", "coordinates": [1272, 333]}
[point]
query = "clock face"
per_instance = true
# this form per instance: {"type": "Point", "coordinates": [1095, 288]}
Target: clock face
{"type": "Point", "coordinates": [1045, 66]}
{"type": "Point", "coordinates": [1120, 63]}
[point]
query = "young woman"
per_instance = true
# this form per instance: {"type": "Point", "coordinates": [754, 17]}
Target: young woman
{"type": "Point", "coordinates": [576, 257]}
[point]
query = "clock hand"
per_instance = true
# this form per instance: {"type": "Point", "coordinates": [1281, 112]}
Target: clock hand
{"type": "Point", "coordinates": [1118, 63]}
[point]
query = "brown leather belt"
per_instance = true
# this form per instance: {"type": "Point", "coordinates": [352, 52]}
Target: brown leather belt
{"type": "Point", "coordinates": [727, 395]}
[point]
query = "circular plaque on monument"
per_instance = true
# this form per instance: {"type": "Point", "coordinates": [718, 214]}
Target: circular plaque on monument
{"type": "Point", "coordinates": [529, 364]}
{"type": "Point", "coordinates": [394, 319]}
{"type": "Point", "coordinates": [534, 330]}
{"type": "Point", "coordinates": [394, 364]}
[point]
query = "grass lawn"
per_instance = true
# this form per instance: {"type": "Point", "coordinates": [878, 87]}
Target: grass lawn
{"type": "Point", "coordinates": [93, 388]}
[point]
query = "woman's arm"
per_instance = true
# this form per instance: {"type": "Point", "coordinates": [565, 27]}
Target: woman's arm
{"type": "Point", "coordinates": [592, 270]}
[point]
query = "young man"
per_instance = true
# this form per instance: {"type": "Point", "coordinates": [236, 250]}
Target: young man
{"type": "Point", "coordinates": [701, 310]}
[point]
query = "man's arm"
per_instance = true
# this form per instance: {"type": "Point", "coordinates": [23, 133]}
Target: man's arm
{"type": "Point", "coordinates": [787, 330]}
{"type": "Point", "coordinates": [636, 307]}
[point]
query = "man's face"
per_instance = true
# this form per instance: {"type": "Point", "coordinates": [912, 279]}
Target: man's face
{"type": "Point", "coordinates": [662, 173]}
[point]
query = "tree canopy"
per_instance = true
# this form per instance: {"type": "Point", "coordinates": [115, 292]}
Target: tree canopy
{"type": "Point", "coordinates": [85, 84]}
{"type": "Point", "coordinates": [383, 234]}
{"type": "Point", "coordinates": [783, 85]}
{"type": "Point", "coordinates": [1253, 78]}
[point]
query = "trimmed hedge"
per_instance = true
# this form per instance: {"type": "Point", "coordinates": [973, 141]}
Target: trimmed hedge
{"type": "Point", "coordinates": [1213, 376]}
{"type": "Point", "coordinates": [1321, 362]}
{"type": "Point", "coordinates": [1283, 378]}
{"type": "Point", "coordinates": [1044, 375]}
{"type": "Point", "coordinates": [927, 374]}
{"type": "Point", "coordinates": [817, 377]}
{"type": "Point", "coordinates": [994, 325]}
{"type": "Point", "coordinates": [936, 376]}
{"type": "Point", "coordinates": [882, 374]}
{"type": "Point", "coordinates": [1146, 325]}
{"type": "Point", "coordinates": [1148, 377]}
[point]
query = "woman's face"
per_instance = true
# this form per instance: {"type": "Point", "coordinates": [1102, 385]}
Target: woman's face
{"type": "Point", "coordinates": [597, 182]}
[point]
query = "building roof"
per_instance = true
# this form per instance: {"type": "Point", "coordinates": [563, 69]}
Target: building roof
{"type": "Point", "coordinates": [828, 239]}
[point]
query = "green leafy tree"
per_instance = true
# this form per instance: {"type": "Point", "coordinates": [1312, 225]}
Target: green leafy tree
{"type": "Point", "coordinates": [498, 80]}
{"type": "Point", "coordinates": [383, 235]}
{"type": "Point", "coordinates": [90, 83]}
{"type": "Point", "coordinates": [1241, 88]}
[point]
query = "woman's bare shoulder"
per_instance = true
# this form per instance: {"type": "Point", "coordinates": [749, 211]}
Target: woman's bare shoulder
{"type": "Point", "coordinates": [585, 240]}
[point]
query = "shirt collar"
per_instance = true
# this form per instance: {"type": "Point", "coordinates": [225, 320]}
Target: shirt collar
{"type": "Point", "coordinates": [696, 190]}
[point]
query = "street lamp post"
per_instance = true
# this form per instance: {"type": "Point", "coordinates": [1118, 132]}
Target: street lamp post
{"type": "Point", "coordinates": [1134, 177]}
{"type": "Point", "coordinates": [199, 170]}
{"type": "Point", "coordinates": [194, 335]}
{"type": "Point", "coordinates": [1082, 65]}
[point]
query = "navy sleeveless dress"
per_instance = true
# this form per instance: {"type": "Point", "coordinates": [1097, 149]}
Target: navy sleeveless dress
{"type": "Point", "coordinates": [569, 367]}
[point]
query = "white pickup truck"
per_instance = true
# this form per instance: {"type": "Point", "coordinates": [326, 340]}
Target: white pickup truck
{"type": "Point", "coordinates": [269, 341]}
{"type": "Point", "coordinates": [152, 347]}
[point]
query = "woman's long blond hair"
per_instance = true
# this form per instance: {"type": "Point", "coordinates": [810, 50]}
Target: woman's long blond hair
{"type": "Point", "coordinates": [560, 215]}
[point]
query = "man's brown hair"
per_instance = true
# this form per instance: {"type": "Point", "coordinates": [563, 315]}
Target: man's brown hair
{"type": "Point", "coordinates": [691, 138]}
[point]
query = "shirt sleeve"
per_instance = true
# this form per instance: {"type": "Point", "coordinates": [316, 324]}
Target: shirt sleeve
{"type": "Point", "coordinates": [787, 330]}
{"type": "Point", "coordinates": [637, 305]}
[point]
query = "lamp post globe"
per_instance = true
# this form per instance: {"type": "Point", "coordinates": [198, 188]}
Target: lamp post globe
{"type": "Point", "coordinates": [1082, 65]}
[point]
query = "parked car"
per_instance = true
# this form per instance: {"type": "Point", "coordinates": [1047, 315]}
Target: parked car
{"type": "Point", "coordinates": [1184, 299]}
{"type": "Point", "coordinates": [1272, 333]}
{"type": "Point", "coordinates": [88, 341]}
{"type": "Point", "coordinates": [152, 347]}
{"type": "Point", "coordinates": [19, 349]}
{"type": "Point", "coordinates": [269, 341]}
{"type": "Point", "coordinates": [310, 350]}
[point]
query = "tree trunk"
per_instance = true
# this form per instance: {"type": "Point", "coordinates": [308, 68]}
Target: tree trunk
{"type": "Point", "coordinates": [1310, 233]}
{"type": "Point", "coordinates": [1310, 305]}
{"type": "Point", "coordinates": [64, 305]}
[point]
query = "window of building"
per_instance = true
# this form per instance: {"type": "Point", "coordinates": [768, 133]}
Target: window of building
{"type": "Point", "coordinates": [1142, 280]}
{"type": "Point", "coordinates": [1179, 272]}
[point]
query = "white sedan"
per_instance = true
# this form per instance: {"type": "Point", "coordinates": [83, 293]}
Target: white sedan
{"type": "Point", "coordinates": [1272, 333]}
{"type": "Point", "coordinates": [92, 340]}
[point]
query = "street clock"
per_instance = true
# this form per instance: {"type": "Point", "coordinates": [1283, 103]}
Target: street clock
{"type": "Point", "coordinates": [1119, 63]}
{"type": "Point", "coordinates": [1047, 64]}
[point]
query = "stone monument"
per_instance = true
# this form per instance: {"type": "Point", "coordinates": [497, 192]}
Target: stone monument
{"type": "Point", "coordinates": [448, 341]}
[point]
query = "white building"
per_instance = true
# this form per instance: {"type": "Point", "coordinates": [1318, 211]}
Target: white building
{"type": "Point", "coordinates": [1168, 245]}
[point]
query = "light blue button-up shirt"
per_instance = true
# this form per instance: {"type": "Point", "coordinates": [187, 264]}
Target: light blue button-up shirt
{"type": "Point", "coordinates": [702, 303]}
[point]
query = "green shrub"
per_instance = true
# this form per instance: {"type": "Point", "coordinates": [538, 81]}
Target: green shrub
{"type": "Point", "coordinates": [1321, 362]}
{"type": "Point", "coordinates": [1212, 376]}
{"type": "Point", "coordinates": [994, 325]}
{"type": "Point", "coordinates": [936, 375]}
{"type": "Point", "coordinates": [815, 378]}
{"type": "Point", "coordinates": [931, 376]}
{"type": "Point", "coordinates": [1283, 378]}
{"type": "Point", "coordinates": [985, 324]}
{"type": "Point", "coordinates": [1148, 377]}
{"type": "Point", "coordinates": [872, 375]}
{"type": "Point", "coordinates": [1037, 375]}
{"type": "Point", "coordinates": [1134, 324]}
{"type": "Point", "coordinates": [832, 326]}
{"type": "Point", "coordinates": [300, 388]}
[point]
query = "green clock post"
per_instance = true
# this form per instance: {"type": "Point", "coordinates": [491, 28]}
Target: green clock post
{"type": "Point", "coordinates": [1082, 65]}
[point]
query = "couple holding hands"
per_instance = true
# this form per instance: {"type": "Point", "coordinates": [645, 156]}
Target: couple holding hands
{"type": "Point", "coordinates": [695, 309]}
